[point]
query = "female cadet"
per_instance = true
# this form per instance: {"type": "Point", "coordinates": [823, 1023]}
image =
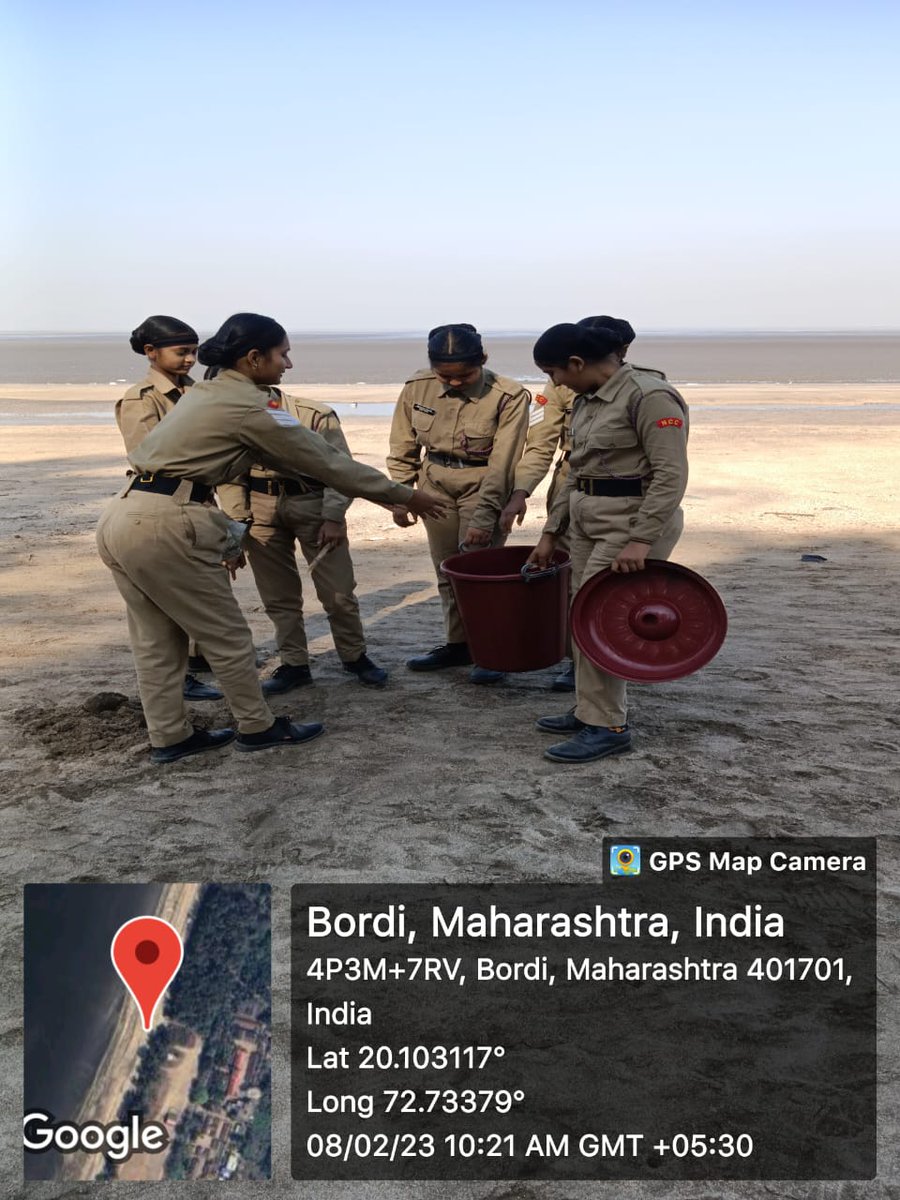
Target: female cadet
{"type": "Point", "coordinates": [548, 430]}
{"type": "Point", "coordinates": [171, 347]}
{"type": "Point", "coordinates": [471, 425]}
{"type": "Point", "coordinates": [283, 511]}
{"type": "Point", "coordinates": [620, 503]}
{"type": "Point", "coordinates": [165, 545]}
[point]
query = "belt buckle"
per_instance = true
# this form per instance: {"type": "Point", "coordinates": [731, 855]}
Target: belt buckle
{"type": "Point", "coordinates": [147, 477]}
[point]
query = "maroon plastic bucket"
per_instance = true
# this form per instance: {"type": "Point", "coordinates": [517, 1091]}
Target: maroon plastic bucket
{"type": "Point", "coordinates": [515, 619]}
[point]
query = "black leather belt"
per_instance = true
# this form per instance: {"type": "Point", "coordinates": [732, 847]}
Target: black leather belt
{"type": "Point", "coordinates": [286, 487]}
{"type": "Point", "coordinates": [168, 485]}
{"type": "Point", "coordinates": [447, 460]}
{"type": "Point", "coordinates": [608, 487]}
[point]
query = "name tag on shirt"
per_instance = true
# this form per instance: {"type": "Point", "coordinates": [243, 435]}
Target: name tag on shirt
{"type": "Point", "coordinates": [421, 408]}
{"type": "Point", "coordinates": [282, 417]}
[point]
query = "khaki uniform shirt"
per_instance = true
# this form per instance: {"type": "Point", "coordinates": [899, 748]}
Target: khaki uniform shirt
{"type": "Point", "coordinates": [549, 428]}
{"type": "Point", "coordinates": [144, 405]}
{"type": "Point", "coordinates": [484, 423]}
{"type": "Point", "coordinates": [222, 427]}
{"type": "Point", "coordinates": [634, 427]}
{"type": "Point", "coordinates": [237, 499]}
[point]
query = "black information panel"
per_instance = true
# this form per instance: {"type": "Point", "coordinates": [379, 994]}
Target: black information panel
{"type": "Point", "coordinates": [705, 1011]}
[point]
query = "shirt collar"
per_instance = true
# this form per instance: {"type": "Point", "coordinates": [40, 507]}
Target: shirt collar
{"type": "Point", "coordinates": [264, 392]}
{"type": "Point", "coordinates": [474, 391]}
{"type": "Point", "coordinates": [610, 389]}
{"type": "Point", "coordinates": [163, 384]}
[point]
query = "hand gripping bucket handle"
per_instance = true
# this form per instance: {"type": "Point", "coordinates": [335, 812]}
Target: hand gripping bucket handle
{"type": "Point", "coordinates": [529, 572]}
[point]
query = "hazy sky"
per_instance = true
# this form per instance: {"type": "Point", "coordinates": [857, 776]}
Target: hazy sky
{"type": "Point", "coordinates": [394, 165]}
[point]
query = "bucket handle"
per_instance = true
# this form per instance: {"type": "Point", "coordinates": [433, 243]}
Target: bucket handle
{"type": "Point", "coordinates": [530, 572]}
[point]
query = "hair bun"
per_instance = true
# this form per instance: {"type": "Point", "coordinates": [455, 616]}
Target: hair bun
{"type": "Point", "coordinates": [559, 343]}
{"type": "Point", "coordinates": [159, 331]}
{"type": "Point", "coordinates": [617, 325]}
{"type": "Point", "coordinates": [210, 353]}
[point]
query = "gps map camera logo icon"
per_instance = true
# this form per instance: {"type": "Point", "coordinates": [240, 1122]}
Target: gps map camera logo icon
{"type": "Point", "coordinates": [625, 860]}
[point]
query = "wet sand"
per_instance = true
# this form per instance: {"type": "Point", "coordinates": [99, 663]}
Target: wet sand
{"type": "Point", "coordinates": [792, 730]}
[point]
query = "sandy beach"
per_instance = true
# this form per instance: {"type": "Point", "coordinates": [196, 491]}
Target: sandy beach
{"type": "Point", "coordinates": [114, 1075]}
{"type": "Point", "coordinates": [792, 730]}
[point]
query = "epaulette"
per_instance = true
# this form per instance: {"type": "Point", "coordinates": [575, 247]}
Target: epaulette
{"type": "Point", "coordinates": [137, 390]}
{"type": "Point", "coordinates": [316, 406]}
{"type": "Point", "coordinates": [425, 374]}
{"type": "Point", "coordinates": [649, 371]}
{"type": "Point", "coordinates": [510, 387]}
{"type": "Point", "coordinates": [651, 385]}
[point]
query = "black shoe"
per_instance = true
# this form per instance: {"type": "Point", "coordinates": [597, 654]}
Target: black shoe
{"type": "Point", "coordinates": [567, 723]}
{"type": "Point", "coordinates": [195, 690]}
{"type": "Point", "coordinates": [452, 654]}
{"type": "Point", "coordinates": [484, 675]}
{"type": "Point", "coordinates": [282, 732]}
{"type": "Point", "coordinates": [285, 679]}
{"type": "Point", "coordinates": [589, 743]}
{"type": "Point", "coordinates": [366, 671]}
{"type": "Point", "coordinates": [565, 680]}
{"type": "Point", "coordinates": [199, 742]}
{"type": "Point", "coordinates": [197, 662]}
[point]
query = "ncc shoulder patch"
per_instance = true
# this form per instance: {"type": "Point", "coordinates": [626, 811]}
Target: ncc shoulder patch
{"type": "Point", "coordinates": [676, 422]}
{"type": "Point", "coordinates": [281, 417]}
{"type": "Point", "coordinates": [540, 398]}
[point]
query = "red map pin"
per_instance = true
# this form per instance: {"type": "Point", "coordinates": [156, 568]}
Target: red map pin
{"type": "Point", "coordinates": [147, 952]}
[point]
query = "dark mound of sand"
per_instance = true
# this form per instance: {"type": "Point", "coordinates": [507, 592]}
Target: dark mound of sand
{"type": "Point", "coordinates": [107, 721]}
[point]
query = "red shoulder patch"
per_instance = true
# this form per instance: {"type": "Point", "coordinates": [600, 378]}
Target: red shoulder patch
{"type": "Point", "coordinates": [674, 421]}
{"type": "Point", "coordinates": [274, 403]}
{"type": "Point", "coordinates": [539, 399]}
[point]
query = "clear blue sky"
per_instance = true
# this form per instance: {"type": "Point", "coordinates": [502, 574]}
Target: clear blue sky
{"type": "Point", "coordinates": [394, 165]}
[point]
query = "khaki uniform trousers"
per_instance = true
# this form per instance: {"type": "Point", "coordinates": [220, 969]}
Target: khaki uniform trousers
{"type": "Point", "coordinates": [460, 487]}
{"type": "Point", "coordinates": [599, 528]}
{"type": "Point", "coordinates": [560, 475]}
{"type": "Point", "coordinates": [166, 557]}
{"type": "Point", "coordinates": [279, 521]}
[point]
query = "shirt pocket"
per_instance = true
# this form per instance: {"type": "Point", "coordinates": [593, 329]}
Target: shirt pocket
{"type": "Point", "coordinates": [422, 417]}
{"type": "Point", "coordinates": [614, 438]}
{"type": "Point", "coordinates": [476, 435]}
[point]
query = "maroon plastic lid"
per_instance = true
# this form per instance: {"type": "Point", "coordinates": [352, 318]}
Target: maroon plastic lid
{"type": "Point", "coordinates": [649, 626]}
